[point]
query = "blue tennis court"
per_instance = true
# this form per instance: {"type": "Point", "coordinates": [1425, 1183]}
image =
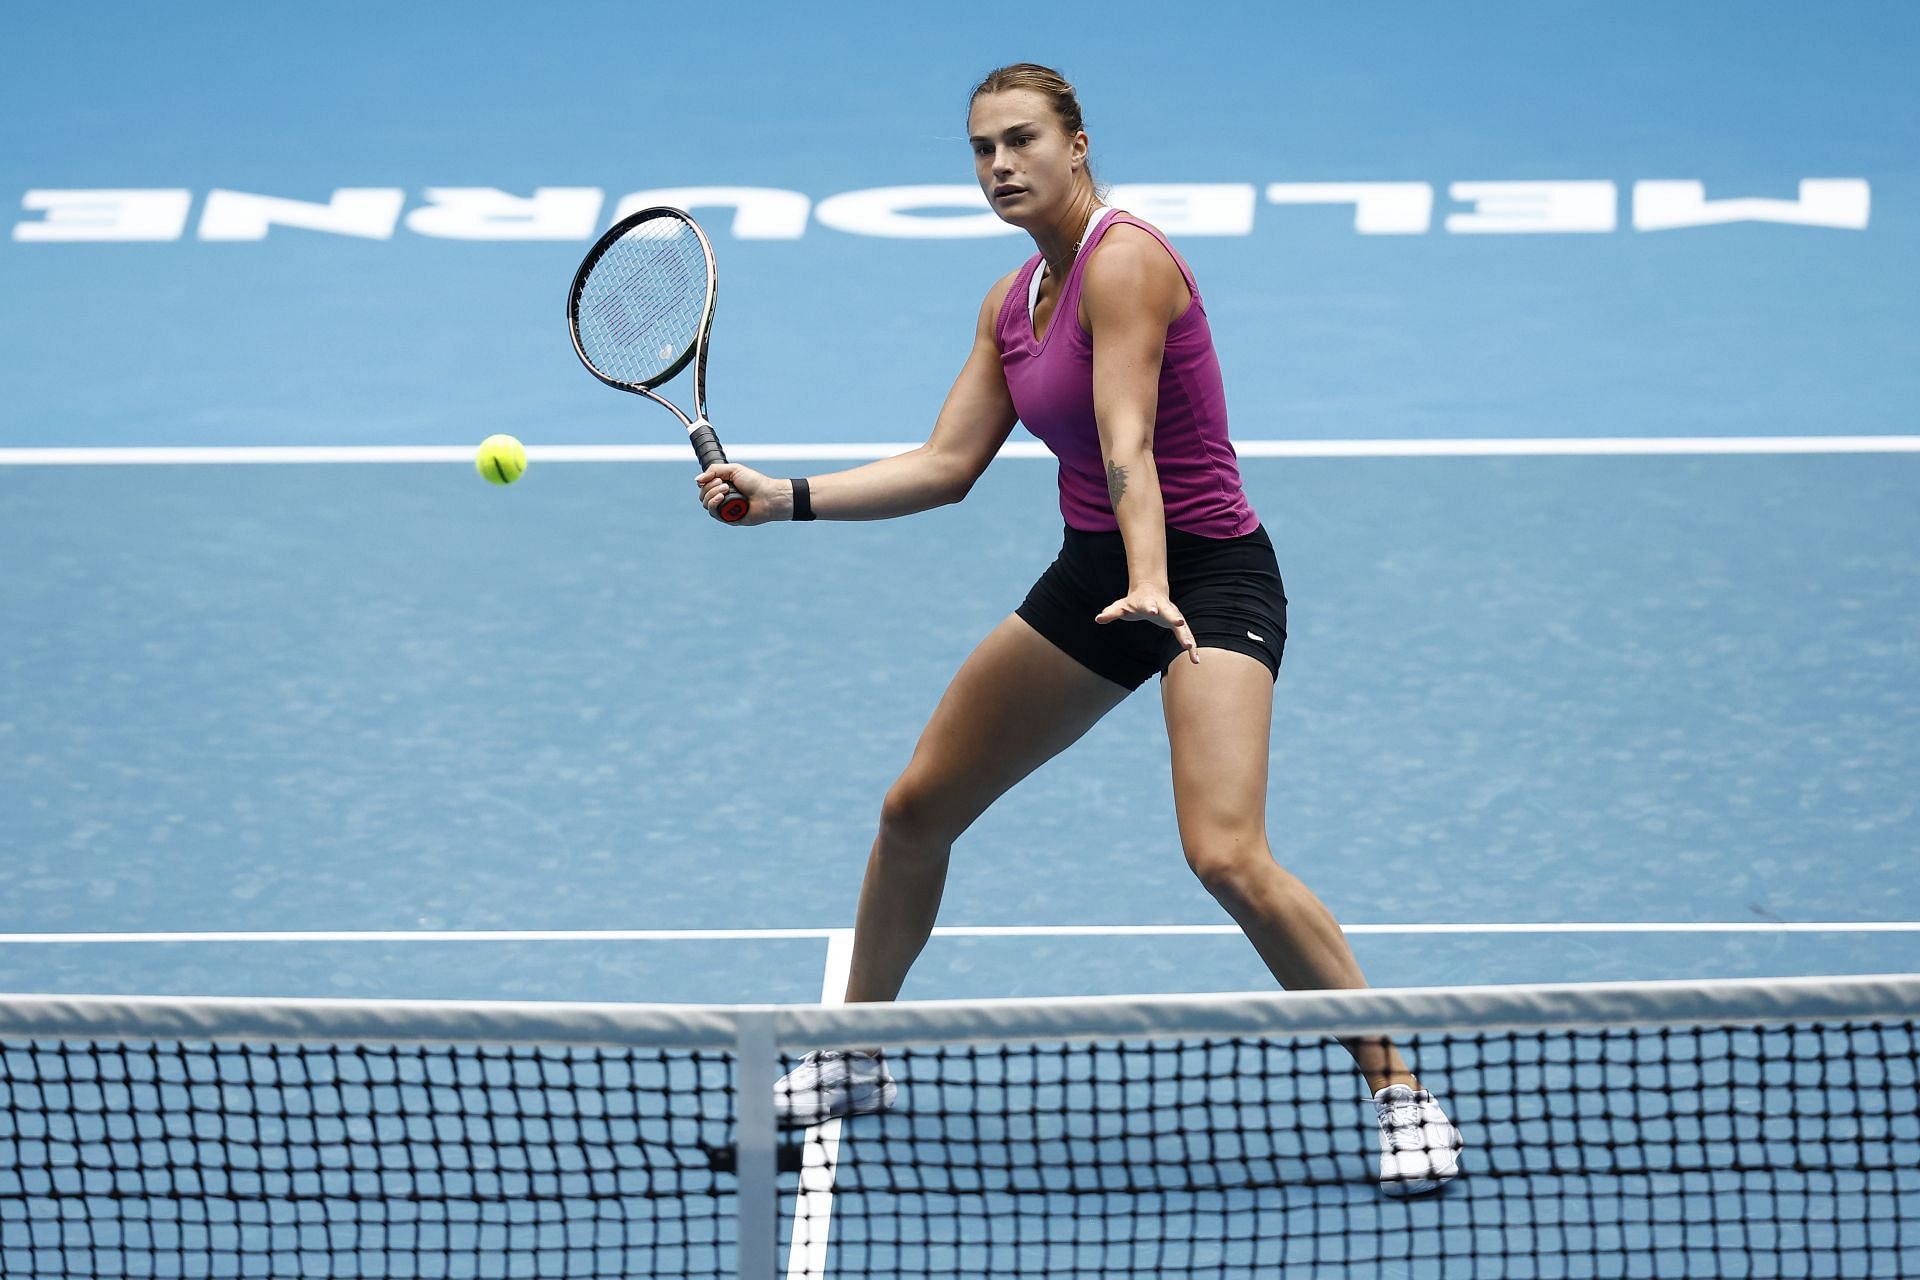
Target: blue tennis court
{"type": "Point", "coordinates": [280, 698]}
{"type": "Point", "coordinates": [1572, 354]}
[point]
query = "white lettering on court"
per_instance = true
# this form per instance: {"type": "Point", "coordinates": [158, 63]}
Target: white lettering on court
{"type": "Point", "coordinates": [893, 212]}
{"type": "Point", "coordinates": [367, 212]}
{"type": "Point", "coordinates": [1379, 208]}
{"type": "Point", "coordinates": [1189, 208]}
{"type": "Point", "coordinates": [1508, 208]}
{"type": "Point", "coordinates": [1824, 202]}
{"type": "Point", "coordinates": [759, 213]}
{"type": "Point", "coordinates": [930, 212]}
{"type": "Point", "coordinates": [107, 214]}
{"type": "Point", "coordinates": [488, 213]}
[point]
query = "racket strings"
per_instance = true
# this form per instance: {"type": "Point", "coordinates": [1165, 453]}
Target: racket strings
{"type": "Point", "coordinates": [641, 305]}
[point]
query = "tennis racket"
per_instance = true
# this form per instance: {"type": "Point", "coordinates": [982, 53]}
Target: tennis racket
{"type": "Point", "coordinates": [640, 309]}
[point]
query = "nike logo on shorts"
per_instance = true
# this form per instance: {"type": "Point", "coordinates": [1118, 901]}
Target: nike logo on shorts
{"type": "Point", "coordinates": [1260, 639]}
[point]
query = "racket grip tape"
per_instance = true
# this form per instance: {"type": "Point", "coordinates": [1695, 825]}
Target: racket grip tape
{"type": "Point", "coordinates": [706, 447]}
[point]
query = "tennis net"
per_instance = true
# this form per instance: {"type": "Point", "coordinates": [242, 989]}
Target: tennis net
{"type": "Point", "coordinates": [1749, 1128]}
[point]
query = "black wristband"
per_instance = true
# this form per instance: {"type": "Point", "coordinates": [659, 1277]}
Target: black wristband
{"type": "Point", "coordinates": [802, 499]}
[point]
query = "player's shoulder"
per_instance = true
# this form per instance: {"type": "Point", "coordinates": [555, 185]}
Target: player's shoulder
{"type": "Point", "coordinates": [1130, 247]}
{"type": "Point", "coordinates": [997, 294]}
{"type": "Point", "coordinates": [996, 298]}
{"type": "Point", "coordinates": [1131, 263]}
{"type": "Point", "coordinates": [1127, 228]}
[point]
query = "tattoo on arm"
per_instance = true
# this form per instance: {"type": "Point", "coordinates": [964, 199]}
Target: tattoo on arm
{"type": "Point", "coordinates": [1116, 483]}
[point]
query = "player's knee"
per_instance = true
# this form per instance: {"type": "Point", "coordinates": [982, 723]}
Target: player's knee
{"type": "Point", "coordinates": [914, 817]}
{"type": "Point", "coordinates": [1229, 864]}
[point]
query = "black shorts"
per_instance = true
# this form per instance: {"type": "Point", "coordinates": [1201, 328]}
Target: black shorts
{"type": "Point", "coordinates": [1228, 588]}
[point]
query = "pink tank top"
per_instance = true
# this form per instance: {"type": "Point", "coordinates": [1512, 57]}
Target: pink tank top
{"type": "Point", "coordinates": [1051, 379]}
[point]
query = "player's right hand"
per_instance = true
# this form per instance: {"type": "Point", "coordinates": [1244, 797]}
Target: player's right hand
{"type": "Point", "coordinates": [767, 498]}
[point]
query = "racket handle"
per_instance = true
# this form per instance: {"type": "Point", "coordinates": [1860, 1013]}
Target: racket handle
{"type": "Point", "coordinates": [706, 447]}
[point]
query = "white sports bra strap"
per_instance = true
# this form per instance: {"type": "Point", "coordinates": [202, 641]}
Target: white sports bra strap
{"type": "Point", "coordinates": [1033, 282]}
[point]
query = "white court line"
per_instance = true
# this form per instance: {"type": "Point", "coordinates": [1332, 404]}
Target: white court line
{"type": "Point", "coordinates": [820, 1152]}
{"type": "Point", "coordinates": [943, 931]}
{"type": "Point", "coordinates": [1589, 446]}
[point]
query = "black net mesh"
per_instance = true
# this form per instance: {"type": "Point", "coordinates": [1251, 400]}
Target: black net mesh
{"type": "Point", "coordinates": [1670, 1152]}
{"type": "Point", "coordinates": [1708, 1150]}
{"type": "Point", "coordinates": [196, 1160]}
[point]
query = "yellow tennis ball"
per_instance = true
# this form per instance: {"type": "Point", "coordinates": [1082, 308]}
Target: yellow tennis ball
{"type": "Point", "coordinates": [501, 459]}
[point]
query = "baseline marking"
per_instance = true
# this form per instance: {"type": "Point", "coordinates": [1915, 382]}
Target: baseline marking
{"type": "Point", "coordinates": [1591, 446]}
{"type": "Point", "coordinates": [941, 931]}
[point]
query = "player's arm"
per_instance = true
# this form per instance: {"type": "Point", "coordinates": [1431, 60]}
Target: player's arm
{"type": "Point", "coordinates": [1132, 292]}
{"type": "Point", "coordinates": [973, 424]}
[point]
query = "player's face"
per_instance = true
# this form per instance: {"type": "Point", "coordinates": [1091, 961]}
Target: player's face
{"type": "Point", "coordinates": [1022, 155]}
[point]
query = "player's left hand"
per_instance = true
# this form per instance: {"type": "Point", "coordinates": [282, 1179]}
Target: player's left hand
{"type": "Point", "coordinates": [1152, 604]}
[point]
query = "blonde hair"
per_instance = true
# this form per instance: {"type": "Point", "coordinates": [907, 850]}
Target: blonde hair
{"type": "Point", "coordinates": [1049, 84]}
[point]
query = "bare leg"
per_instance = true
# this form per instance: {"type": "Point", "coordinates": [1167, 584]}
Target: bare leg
{"type": "Point", "coordinates": [1016, 703]}
{"type": "Point", "coordinates": [1219, 720]}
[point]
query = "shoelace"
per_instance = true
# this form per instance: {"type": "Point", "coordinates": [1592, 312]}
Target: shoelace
{"type": "Point", "coordinates": [817, 1056]}
{"type": "Point", "coordinates": [1405, 1126]}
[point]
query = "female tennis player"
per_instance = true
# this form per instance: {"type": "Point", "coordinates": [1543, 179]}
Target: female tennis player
{"type": "Point", "coordinates": [1100, 345]}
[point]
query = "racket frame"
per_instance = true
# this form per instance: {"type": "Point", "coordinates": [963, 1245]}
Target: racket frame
{"type": "Point", "coordinates": [700, 433]}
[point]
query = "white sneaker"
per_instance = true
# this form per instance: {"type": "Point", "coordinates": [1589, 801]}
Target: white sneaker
{"type": "Point", "coordinates": [1419, 1147]}
{"type": "Point", "coordinates": [830, 1083]}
